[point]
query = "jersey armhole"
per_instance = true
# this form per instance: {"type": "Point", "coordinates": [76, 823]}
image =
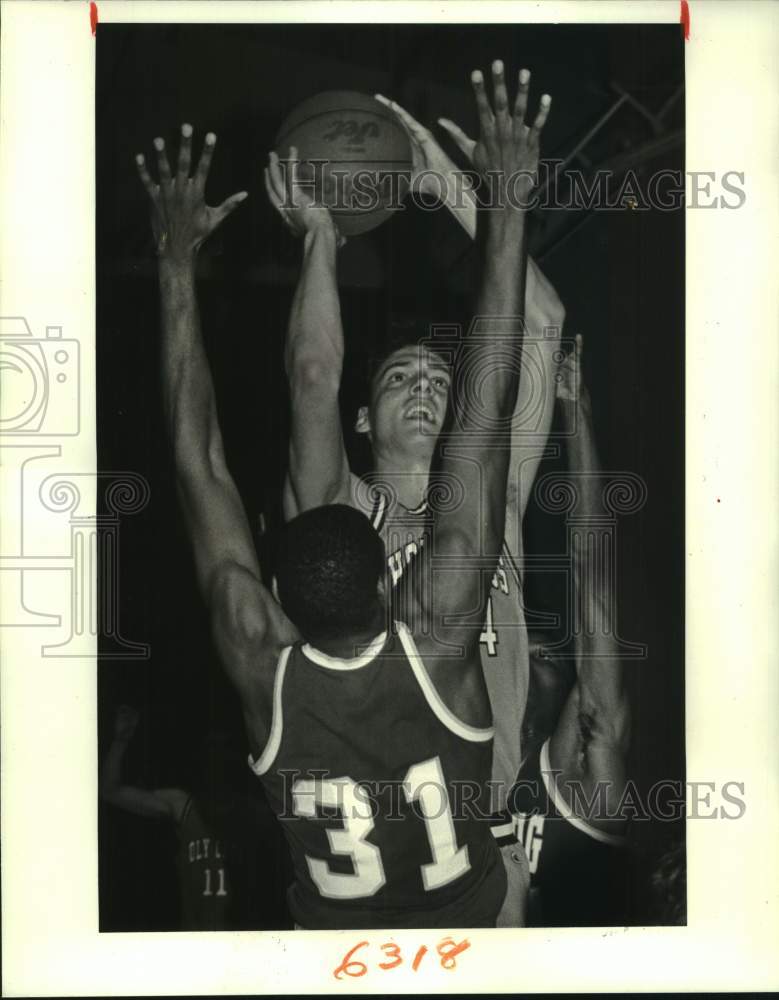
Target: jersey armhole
{"type": "Point", "coordinates": [269, 754]}
{"type": "Point", "coordinates": [549, 778]}
{"type": "Point", "coordinates": [511, 562]}
{"type": "Point", "coordinates": [471, 733]}
{"type": "Point", "coordinates": [376, 509]}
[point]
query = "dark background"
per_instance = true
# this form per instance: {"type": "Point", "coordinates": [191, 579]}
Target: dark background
{"type": "Point", "coordinates": [620, 275]}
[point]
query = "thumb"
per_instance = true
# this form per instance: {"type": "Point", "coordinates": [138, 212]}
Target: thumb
{"type": "Point", "coordinates": [466, 144]}
{"type": "Point", "coordinates": [229, 205]}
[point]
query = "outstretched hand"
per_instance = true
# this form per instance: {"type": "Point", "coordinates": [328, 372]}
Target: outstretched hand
{"type": "Point", "coordinates": [299, 210]}
{"type": "Point", "coordinates": [506, 146]}
{"type": "Point", "coordinates": [126, 722]}
{"type": "Point", "coordinates": [428, 160]}
{"type": "Point", "coordinates": [181, 220]}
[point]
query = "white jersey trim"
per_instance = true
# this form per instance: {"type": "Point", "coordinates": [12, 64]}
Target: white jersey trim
{"type": "Point", "coordinates": [548, 777]}
{"type": "Point", "coordinates": [381, 509]}
{"type": "Point", "coordinates": [504, 830]}
{"type": "Point", "coordinates": [269, 754]}
{"type": "Point", "coordinates": [439, 709]}
{"type": "Point", "coordinates": [421, 507]}
{"type": "Point", "coordinates": [338, 663]}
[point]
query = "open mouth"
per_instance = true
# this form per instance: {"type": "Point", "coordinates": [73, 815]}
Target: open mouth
{"type": "Point", "coordinates": [420, 411]}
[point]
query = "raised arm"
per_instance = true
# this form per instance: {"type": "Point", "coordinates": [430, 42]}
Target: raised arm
{"type": "Point", "coordinates": [591, 739]}
{"type": "Point", "coordinates": [166, 803]}
{"type": "Point", "coordinates": [544, 312]}
{"type": "Point", "coordinates": [225, 559]}
{"type": "Point", "coordinates": [474, 448]}
{"type": "Point", "coordinates": [318, 471]}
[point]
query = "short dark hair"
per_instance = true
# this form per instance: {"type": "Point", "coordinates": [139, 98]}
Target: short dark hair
{"type": "Point", "coordinates": [401, 332]}
{"type": "Point", "coordinates": [329, 565]}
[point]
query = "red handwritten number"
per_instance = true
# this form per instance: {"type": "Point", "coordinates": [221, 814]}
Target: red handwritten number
{"type": "Point", "coordinates": [448, 951]}
{"type": "Point", "coordinates": [394, 954]}
{"type": "Point", "coordinates": [344, 967]}
{"type": "Point", "coordinates": [418, 957]}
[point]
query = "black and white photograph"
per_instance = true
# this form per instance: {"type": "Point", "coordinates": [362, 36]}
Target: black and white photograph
{"type": "Point", "coordinates": [391, 321]}
{"type": "Point", "coordinates": [388, 529]}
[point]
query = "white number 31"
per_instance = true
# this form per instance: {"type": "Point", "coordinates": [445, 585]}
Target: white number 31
{"type": "Point", "coordinates": [423, 782]}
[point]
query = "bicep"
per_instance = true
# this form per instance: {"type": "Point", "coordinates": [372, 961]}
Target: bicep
{"type": "Point", "coordinates": [248, 628]}
{"type": "Point", "coordinates": [446, 622]}
{"type": "Point", "coordinates": [466, 538]}
{"type": "Point", "coordinates": [590, 740]}
{"type": "Point", "coordinates": [566, 749]}
{"type": "Point", "coordinates": [544, 318]}
{"type": "Point", "coordinates": [444, 595]}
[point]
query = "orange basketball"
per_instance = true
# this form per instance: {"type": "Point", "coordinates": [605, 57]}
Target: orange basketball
{"type": "Point", "coordinates": [354, 152]}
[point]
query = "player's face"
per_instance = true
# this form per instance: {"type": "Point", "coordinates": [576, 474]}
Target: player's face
{"type": "Point", "coordinates": [408, 401]}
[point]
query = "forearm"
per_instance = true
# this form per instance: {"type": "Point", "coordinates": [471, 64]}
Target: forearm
{"type": "Point", "coordinates": [499, 330]}
{"type": "Point", "coordinates": [582, 454]}
{"type": "Point", "coordinates": [110, 780]}
{"type": "Point", "coordinates": [534, 410]}
{"type": "Point", "coordinates": [598, 665]}
{"type": "Point", "coordinates": [140, 801]}
{"type": "Point", "coordinates": [492, 351]}
{"type": "Point", "coordinates": [318, 470]}
{"type": "Point", "coordinates": [211, 505]}
{"type": "Point", "coordinates": [504, 276]}
{"type": "Point", "coordinates": [188, 392]}
{"type": "Point", "coordinates": [543, 307]}
{"type": "Point", "coordinates": [314, 344]}
{"type": "Point", "coordinates": [603, 703]}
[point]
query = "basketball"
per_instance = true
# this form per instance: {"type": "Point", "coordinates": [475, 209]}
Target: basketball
{"type": "Point", "coordinates": [354, 151]}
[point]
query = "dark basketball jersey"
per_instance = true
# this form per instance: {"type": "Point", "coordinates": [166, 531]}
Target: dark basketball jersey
{"type": "Point", "coordinates": [380, 792]}
{"type": "Point", "coordinates": [578, 874]}
{"type": "Point", "coordinates": [503, 641]}
{"type": "Point", "coordinates": [203, 887]}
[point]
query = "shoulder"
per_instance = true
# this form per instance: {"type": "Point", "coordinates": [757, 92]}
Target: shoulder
{"type": "Point", "coordinates": [239, 619]}
{"type": "Point", "coordinates": [249, 630]}
{"type": "Point", "coordinates": [243, 611]}
{"type": "Point", "coordinates": [452, 681]}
